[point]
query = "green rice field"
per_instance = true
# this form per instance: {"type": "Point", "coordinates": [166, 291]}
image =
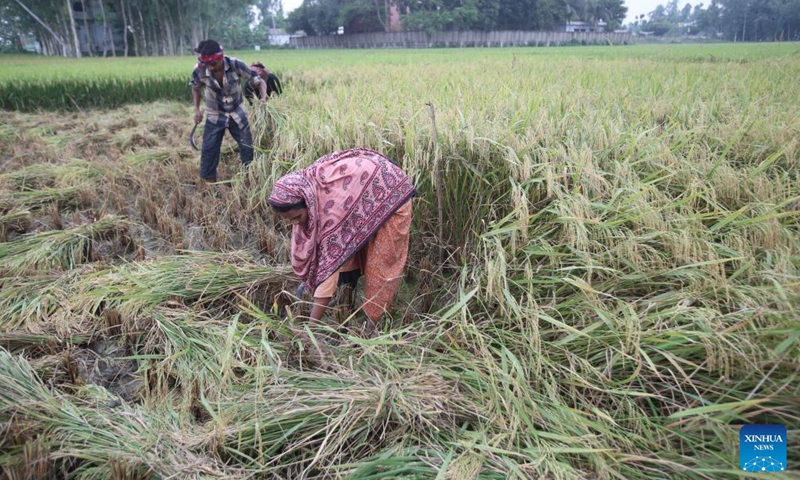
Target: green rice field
{"type": "Point", "coordinates": [603, 278]}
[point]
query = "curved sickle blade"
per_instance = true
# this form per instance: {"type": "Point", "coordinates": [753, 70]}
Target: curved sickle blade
{"type": "Point", "coordinates": [191, 137]}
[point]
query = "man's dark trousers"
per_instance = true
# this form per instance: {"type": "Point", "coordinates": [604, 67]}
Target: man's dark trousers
{"type": "Point", "coordinates": [212, 141]}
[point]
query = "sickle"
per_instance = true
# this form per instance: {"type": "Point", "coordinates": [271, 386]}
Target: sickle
{"type": "Point", "coordinates": [191, 137]}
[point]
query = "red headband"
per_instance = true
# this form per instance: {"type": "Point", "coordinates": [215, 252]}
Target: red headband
{"type": "Point", "coordinates": [209, 58]}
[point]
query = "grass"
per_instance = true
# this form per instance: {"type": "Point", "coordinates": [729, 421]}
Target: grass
{"type": "Point", "coordinates": [617, 289]}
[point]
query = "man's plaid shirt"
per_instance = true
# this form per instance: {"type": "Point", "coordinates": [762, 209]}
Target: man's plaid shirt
{"type": "Point", "coordinates": [225, 101]}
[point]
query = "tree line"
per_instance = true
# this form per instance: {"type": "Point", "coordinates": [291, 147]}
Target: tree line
{"type": "Point", "coordinates": [319, 17]}
{"type": "Point", "coordinates": [133, 27]}
{"type": "Point", "coordinates": [732, 20]}
{"type": "Point", "coordinates": [170, 27]}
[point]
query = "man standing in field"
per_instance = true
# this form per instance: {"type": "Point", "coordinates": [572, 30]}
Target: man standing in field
{"type": "Point", "coordinates": [218, 76]}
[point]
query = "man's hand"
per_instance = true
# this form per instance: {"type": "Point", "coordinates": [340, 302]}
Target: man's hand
{"type": "Point", "coordinates": [262, 87]}
{"type": "Point", "coordinates": [198, 115]}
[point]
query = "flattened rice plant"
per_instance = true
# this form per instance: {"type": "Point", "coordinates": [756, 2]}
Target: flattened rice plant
{"type": "Point", "coordinates": [58, 249]}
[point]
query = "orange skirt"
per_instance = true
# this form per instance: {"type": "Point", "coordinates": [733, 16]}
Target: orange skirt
{"type": "Point", "coordinates": [382, 261]}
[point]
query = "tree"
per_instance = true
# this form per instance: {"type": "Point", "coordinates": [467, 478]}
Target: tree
{"type": "Point", "coordinates": [686, 13]}
{"type": "Point", "coordinates": [325, 16]}
{"type": "Point", "coordinates": [734, 19]}
{"type": "Point", "coordinates": [269, 10]}
{"type": "Point", "coordinates": [107, 32]}
{"type": "Point", "coordinates": [299, 20]}
{"type": "Point", "coordinates": [233, 31]}
{"type": "Point", "coordinates": [671, 11]}
{"type": "Point", "coordinates": [611, 11]}
{"type": "Point", "coordinates": [659, 13]}
{"type": "Point", "coordinates": [696, 12]}
{"type": "Point", "coordinates": [708, 20]}
{"type": "Point", "coordinates": [440, 15]}
{"type": "Point", "coordinates": [512, 15]}
{"type": "Point", "coordinates": [45, 24]}
{"type": "Point", "coordinates": [10, 32]}
{"type": "Point", "coordinates": [550, 15]}
{"type": "Point", "coordinates": [316, 17]}
{"type": "Point", "coordinates": [361, 17]}
{"type": "Point", "coordinates": [320, 17]}
{"type": "Point", "coordinates": [73, 30]}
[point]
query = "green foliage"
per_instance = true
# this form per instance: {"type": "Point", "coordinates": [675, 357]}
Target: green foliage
{"type": "Point", "coordinates": [137, 27]}
{"type": "Point", "coordinates": [75, 84]}
{"type": "Point", "coordinates": [233, 32]}
{"type": "Point", "coordinates": [740, 20]}
{"type": "Point", "coordinates": [437, 16]}
{"type": "Point", "coordinates": [271, 12]}
{"type": "Point", "coordinates": [362, 17]}
{"type": "Point", "coordinates": [659, 28]}
{"type": "Point", "coordinates": [103, 92]}
{"type": "Point", "coordinates": [318, 17]}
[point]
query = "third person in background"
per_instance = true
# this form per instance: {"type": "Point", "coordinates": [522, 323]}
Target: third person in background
{"type": "Point", "coordinates": [273, 83]}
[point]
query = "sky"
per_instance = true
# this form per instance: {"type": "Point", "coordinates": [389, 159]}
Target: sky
{"type": "Point", "coordinates": [635, 7]}
{"type": "Point", "coordinates": [289, 5]}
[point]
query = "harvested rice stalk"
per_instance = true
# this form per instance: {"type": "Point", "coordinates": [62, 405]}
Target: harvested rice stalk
{"type": "Point", "coordinates": [14, 221]}
{"type": "Point", "coordinates": [153, 156]}
{"type": "Point", "coordinates": [16, 341]}
{"type": "Point", "coordinates": [40, 303]}
{"type": "Point", "coordinates": [38, 176]}
{"type": "Point", "coordinates": [321, 420]}
{"type": "Point", "coordinates": [199, 277]}
{"type": "Point", "coordinates": [99, 437]}
{"type": "Point", "coordinates": [58, 249]}
{"type": "Point", "coordinates": [35, 199]}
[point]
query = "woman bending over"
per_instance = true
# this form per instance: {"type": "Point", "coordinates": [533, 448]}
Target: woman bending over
{"type": "Point", "coordinates": [351, 215]}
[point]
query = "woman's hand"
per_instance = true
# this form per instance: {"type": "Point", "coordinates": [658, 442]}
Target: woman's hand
{"type": "Point", "coordinates": [320, 304]}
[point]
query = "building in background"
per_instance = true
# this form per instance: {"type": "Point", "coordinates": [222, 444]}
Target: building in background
{"type": "Point", "coordinates": [580, 26]}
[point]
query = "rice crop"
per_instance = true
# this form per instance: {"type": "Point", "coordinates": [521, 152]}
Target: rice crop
{"type": "Point", "coordinates": [74, 84]}
{"type": "Point", "coordinates": [14, 221]}
{"type": "Point", "coordinates": [64, 175]}
{"type": "Point", "coordinates": [603, 279]}
{"type": "Point", "coordinates": [57, 249]}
